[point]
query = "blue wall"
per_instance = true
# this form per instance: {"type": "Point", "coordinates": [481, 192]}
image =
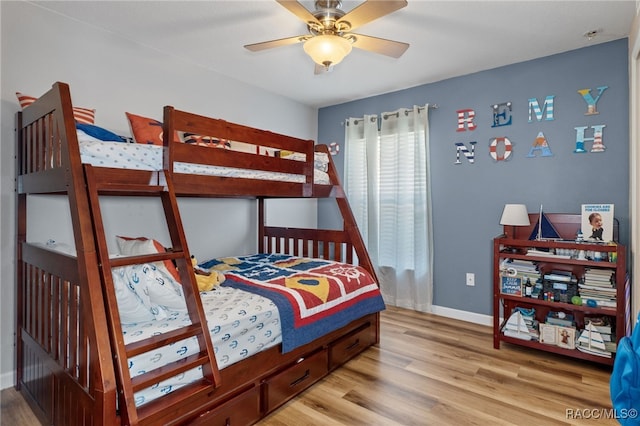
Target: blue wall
{"type": "Point", "coordinates": [468, 198]}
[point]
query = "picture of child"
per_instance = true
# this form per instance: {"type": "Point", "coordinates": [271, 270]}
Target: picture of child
{"type": "Point", "coordinates": [595, 219]}
{"type": "Point", "coordinates": [597, 223]}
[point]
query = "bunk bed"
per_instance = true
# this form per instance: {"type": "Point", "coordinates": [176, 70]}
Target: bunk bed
{"type": "Point", "coordinates": [73, 356]}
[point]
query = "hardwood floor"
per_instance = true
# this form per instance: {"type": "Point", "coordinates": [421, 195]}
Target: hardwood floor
{"type": "Point", "coordinates": [430, 370]}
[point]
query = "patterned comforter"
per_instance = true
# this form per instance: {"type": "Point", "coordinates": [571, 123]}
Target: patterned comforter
{"type": "Point", "coordinates": [313, 296]}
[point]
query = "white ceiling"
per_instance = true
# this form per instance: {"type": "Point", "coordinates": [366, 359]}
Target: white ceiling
{"type": "Point", "coordinates": [447, 39]}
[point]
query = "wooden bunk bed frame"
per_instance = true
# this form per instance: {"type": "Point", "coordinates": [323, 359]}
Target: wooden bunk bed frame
{"type": "Point", "coordinates": [66, 362]}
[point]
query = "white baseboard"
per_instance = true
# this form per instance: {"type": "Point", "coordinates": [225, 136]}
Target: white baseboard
{"type": "Point", "coordinates": [7, 380]}
{"type": "Point", "coordinates": [462, 315]}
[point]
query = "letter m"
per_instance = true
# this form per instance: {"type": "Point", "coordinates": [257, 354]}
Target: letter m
{"type": "Point", "coordinates": [534, 109]}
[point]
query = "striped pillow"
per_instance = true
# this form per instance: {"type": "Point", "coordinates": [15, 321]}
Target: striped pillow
{"type": "Point", "coordinates": [81, 115]}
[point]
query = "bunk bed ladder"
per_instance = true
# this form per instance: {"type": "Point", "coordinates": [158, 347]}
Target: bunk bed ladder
{"type": "Point", "coordinates": [152, 412]}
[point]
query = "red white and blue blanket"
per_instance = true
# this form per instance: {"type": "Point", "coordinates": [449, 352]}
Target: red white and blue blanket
{"type": "Point", "coordinates": [313, 296]}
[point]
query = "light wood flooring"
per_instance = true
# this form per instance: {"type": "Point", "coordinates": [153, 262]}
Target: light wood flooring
{"type": "Point", "coordinates": [430, 370]}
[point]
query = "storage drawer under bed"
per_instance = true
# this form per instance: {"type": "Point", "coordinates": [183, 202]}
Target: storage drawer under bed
{"type": "Point", "coordinates": [280, 387]}
{"type": "Point", "coordinates": [350, 345]}
{"type": "Point", "coordinates": [242, 410]}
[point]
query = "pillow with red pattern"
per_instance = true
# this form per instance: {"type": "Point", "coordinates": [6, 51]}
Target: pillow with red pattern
{"type": "Point", "coordinates": [81, 115]}
{"type": "Point", "coordinates": [208, 141]}
{"type": "Point", "coordinates": [147, 130]}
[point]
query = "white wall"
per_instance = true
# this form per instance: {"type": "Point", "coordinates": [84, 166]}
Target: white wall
{"type": "Point", "coordinates": [634, 155]}
{"type": "Point", "coordinates": [114, 75]}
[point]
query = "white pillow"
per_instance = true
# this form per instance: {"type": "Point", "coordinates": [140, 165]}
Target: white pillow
{"type": "Point", "coordinates": [152, 282]}
{"type": "Point", "coordinates": [157, 291]}
{"type": "Point", "coordinates": [130, 306]}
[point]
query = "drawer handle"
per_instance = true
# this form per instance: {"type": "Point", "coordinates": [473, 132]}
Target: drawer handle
{"type": "Point", "coordinates": [300, 379]}
{"type": "Point", "coordinates": [354, 345]}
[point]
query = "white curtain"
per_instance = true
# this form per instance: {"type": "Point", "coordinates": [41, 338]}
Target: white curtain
{"type": "Point", "coordinates": [387, 182]}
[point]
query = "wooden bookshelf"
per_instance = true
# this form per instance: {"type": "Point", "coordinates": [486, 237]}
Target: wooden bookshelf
{"type": "Point", "coordinates": [516, 248]}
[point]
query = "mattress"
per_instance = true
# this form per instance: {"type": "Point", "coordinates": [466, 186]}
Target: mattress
{"type": "Point", "coordinates": [149, 157]}
{"type": "Point", "coordinates": [241, 324]}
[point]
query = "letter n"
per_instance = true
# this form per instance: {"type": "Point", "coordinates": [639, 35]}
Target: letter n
{"type": "Point", "coordinates": [469, 154]}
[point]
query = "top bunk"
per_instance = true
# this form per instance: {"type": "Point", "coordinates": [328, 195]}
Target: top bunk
{"type": "Point", "coordinates": [252, 163]}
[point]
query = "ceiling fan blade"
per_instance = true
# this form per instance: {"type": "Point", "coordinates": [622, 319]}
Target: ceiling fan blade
{"type": "Point", "coordinates": [369, 11]}
{"type": "Point", "coordinates": [256, 47]}
{"type": "Point", "coordinates": [299, 10]}
{"type": "Point", "coordinates": [395, 49]}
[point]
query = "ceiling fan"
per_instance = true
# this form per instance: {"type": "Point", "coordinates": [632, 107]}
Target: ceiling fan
{"type": "Point", "coordinates": [330, 38]}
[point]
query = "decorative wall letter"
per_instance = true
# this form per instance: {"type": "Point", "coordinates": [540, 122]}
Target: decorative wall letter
{"type": "Point", "coordinates": [535, 108]}
{"type": "Point", "coordinates": [460, 147]}
{"type": "Point", "coordinates": [501, 114]}
{"type": "Point", "coordinates": [591, 103]}
{"type": "Point", "coordinates": [500, 148]}
{"type": "Point", "coordinates": [540, 144]}
{"type": "Point", "coordinates": [598, 146]}
{"type": "Point", "coordinates": [465, 118]}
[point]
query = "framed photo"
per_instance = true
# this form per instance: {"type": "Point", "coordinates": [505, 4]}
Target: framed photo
{"type": "Point", "coordinates": [548, 334]}
{"type": "Point", "coordinates": [566, 337]}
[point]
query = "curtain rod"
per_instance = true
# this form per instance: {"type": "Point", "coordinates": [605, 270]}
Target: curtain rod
{"type": "Point", "coordinates": [385, 116]}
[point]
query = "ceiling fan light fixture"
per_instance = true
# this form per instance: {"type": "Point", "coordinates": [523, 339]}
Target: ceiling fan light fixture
{"type": "Point", "coordinates": [327, 49]}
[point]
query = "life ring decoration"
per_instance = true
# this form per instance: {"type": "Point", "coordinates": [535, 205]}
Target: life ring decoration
{"type": "Point", "coordinates": [493, 149]}
{"type": "Point", "coordinates": [334, 148]}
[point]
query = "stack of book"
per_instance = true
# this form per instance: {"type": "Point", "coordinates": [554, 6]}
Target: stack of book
{"type": "Point", "coordinates": [544, 253]}
{"type": "Point", "coordinates": [599, 286]}
{"type": "Point", "coordinates": [522, 269]}
{"type": "Point", "coordinates": [593, 339]}
{"type": "Point", "coordinates": [521, 325]}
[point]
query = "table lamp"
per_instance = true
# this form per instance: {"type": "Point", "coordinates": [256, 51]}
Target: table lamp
{"type": "Point", "coordinates": [514, 215]}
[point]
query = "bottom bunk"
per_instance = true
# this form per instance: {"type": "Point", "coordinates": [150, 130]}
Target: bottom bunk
{"type": "Point", "coordinates": [62, 379]}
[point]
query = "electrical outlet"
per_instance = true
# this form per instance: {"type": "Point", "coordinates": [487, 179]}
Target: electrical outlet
{"type": "Point", "coordinates": [471, 279]}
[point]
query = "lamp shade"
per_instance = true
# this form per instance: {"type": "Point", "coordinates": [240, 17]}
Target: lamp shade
{"type": "Point", "coordinates": [327, 49]}
{"type": "Point", "coordinates": [515, 215]}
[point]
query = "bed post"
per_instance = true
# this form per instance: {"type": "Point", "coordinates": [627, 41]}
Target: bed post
{"type": "Point", "coordinates": [261, 225]}
{"type": "Point", "coordinates": [71, 376]}
{"type": "Point", "coordinates": [21, 236]}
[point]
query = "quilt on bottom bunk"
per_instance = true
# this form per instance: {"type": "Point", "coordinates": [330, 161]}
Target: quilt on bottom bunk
{"type": "Point", "coordinates": [241, 324]}
{"type": "Point", "coordinates": [313, 296]}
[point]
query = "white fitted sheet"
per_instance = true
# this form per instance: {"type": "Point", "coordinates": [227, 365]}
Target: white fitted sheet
{"type": "Point", "coordinates": [149, 157]}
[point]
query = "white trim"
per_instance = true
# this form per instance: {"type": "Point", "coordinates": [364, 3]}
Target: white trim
{"type": "Point", "coordinates": [462, 315]}
{"type": "Point", "coordinates": [634, 161]}
{"type": "Point", "coordinates": [7, 380]}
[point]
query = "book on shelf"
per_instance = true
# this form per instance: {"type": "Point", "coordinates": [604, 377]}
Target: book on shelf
{"type": "Point", "coordinates": [603, 278]}
{"type": "Point", "coordinates": [597, 222]}
{"type": "Point", "coordinates": [561, 276]}
{"type": "Point", "coordinates": [566, 337]}
{"type": "Point", "coordinates": [559, 318]}
{"type": "Point", "coordinates": [542, 253]}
